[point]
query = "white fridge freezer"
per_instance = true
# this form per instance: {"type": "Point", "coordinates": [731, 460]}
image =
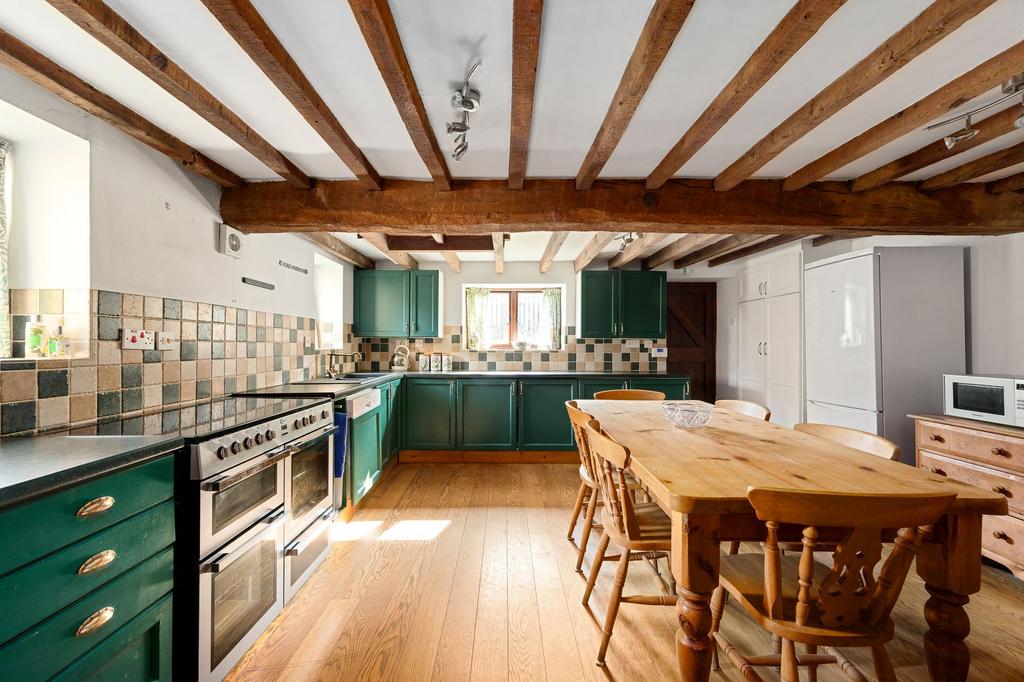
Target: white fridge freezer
{"type": "Point", "coordinates": [882, 326]}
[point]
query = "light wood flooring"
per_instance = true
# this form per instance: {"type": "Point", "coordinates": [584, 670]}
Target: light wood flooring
{"type": "Point", "coordinates": [462, 572]}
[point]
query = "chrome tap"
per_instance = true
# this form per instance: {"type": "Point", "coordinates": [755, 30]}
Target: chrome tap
{"type": "Point", "coordinates": [355, 356]}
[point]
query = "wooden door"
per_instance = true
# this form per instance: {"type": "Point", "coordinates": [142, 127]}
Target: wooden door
{"type": "Point", "coordinates": [691, 333]}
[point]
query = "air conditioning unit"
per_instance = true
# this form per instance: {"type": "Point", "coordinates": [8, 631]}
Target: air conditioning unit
{"type": "Point", "coordinates": [229, 241]}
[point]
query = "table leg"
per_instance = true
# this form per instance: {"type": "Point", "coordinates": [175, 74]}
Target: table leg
{"type": "Point", "coordinates": [949, 561]}
{"type": "Point", "coordinates": [695, 557]}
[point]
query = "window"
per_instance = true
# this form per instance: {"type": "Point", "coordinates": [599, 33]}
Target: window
{"type": "Point", "coordinates": [5, 310]}
{"type": "Point", "coordinates": [513, 318]}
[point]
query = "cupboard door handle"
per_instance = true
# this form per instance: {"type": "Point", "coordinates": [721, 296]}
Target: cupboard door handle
{"type": "Point", "coordinates": [1000, 535]}
{"type": "Point", "coordinates": [100, 504]}
{"type": "Point", "coordinates": [1000, 452]}
{"type": "Point", "coordinates": [937, 470]}
{"type": "Point", "coordinates": [1001, 490]}
{"type": "Point", "coordinates": [95, 621]}
{"type": "Point", "coordinates": [97, 561]}
{"type": "Point", "coordinates": [766, 348]}
{"type": "Point", "coordinates": [937, 438]}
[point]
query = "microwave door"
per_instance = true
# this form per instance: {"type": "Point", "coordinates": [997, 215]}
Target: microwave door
{"type": "Point", "coordinates": [992, 401]}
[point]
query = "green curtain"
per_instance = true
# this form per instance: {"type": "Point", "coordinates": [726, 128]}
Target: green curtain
{"type": "Point", "coordinates": [476, 299]}
{"type": "Point", "coordinates": [5, 292]}
{"type": "Point", "coordinates": [553, 302]}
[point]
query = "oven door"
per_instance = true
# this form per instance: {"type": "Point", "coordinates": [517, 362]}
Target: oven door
{"type": "Point", "coordinates": [309, 482]}
{"type": "Point", "coordinates": [235, 500]}
{"type": "Point", "coordinates": [240, 593]}
{"type": "Point", "coordinates": [990, 399]}
{"type": "Point", "coordinates": [304, 555]}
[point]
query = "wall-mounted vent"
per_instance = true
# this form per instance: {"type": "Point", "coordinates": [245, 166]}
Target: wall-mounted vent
{"type": "Point", "coordinates": [229, 241]}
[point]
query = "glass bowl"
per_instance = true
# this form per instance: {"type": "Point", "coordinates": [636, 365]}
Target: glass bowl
{"type": "Point", "coordinates": [687, 414]}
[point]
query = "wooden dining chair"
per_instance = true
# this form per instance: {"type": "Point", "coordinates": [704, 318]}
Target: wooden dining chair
{"type": "Point", "coordinates": [638, 530]}
{"type": "Point", "coordinates": [589, 493]}
{"type": "Point", "coordinates": [804, 601]}
{"type": "Point", "coordinates": [751, 409]}
{"type": "Point", "coordinates": [853, 438]}
{"type": "Point", "coordinates": [629, 394]}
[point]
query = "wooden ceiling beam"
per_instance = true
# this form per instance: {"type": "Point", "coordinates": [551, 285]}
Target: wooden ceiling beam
{"type": "Point", "coordinates": [839, 236]}
{"type": "Point", "coordinates": [1011, 183]}
{"type": "Point", "coordinates": [244, 23]}
{"type": "Point", "coordinates": [381, 34]}
{"type": "Point", "coordinates": [335, 246]}
{"type": "Point", "coordinates": [990, 163]}
{"type": "Point", "coordinates": [116, 34]}
{"type": "Point", "coordinates": [751, 249]}
{"type": "Point", "coordinates": [656, 38]}
{"type": "Point", "coordinates": [551, 250]}
{"type": "Point", "coordinates": [593, 249]}
{"type": "Point", "coordinates": [640, 245]}
{"type": "Point", "coordinates": [988, 129]}
{"type": "Point", "coordinates": [937, 21]}
{"type": "Point", "coordinates": [798, 26]}
{"type": "Point", "coordinates": [526, 22]}
{"type": "Point", "coordinates": [48, 75]}
{"type": "Point", "coordinates": [486, 206]}
{"type": "Point", "coordinates": [685, 244]}
{"type": "Point", "coordinates": [400, 258]}
{"type": "Point", "coordinates": [498, 241]}
{"type": "Point", "coordinates": [724, 245]}
{"type": "Point", "coordinates": [953, 94]}
{"type": "Point", "coordinates": [455, 242]}
{"type": "Point", "coordinates": [452, 259]}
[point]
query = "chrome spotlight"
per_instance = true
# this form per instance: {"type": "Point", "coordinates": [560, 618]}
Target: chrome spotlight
{"type": "Point", "coordinates": [461, 147]}
{"type": "Point", "coordinates": [457, 127]}
{"type": "Point", "coordinates": [953, 139]}
{"type": "Point", "coordinates": [467, 99]}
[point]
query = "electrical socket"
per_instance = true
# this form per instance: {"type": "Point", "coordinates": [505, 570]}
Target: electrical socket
{"type": "Point", "coordinates": [167, 341]}
{"type": "Point", "coordinates": [137, 339]}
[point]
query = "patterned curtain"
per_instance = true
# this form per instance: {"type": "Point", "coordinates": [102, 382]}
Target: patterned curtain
{"type": "Point", "coordinates": [553, 302]}
{"type": "Point", "coordinates": [5, 292]}
{"type": "Point", "coordinates": [476, 299]}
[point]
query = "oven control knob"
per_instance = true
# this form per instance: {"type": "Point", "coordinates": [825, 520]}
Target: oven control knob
{"type": "Point", "coordinates": [258, 438]}
{"type": "Point", "coordinates": [247, 442]}
{"type": "Point", "coordinates": [236, 447]}
{"type": "Point", "coordinates": [324, 414]}
{"type": "Point", "coordinates": [271, 434]}
{"type": "Point", "coordinates": [222, 452]}
{"type": "Point", "coordinates": [305, 421]}
{"type": "Point", "coordinates": [312, 419]}
{"type": "Point", "coordinates": [298, 424]}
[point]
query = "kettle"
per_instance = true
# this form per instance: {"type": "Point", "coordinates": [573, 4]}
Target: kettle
{"type": "Point", "coordinates": [400, 359]}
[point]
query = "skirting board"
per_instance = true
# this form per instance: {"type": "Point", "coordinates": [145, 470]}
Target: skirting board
{"type": "Point", "coordinates": [490, 456]}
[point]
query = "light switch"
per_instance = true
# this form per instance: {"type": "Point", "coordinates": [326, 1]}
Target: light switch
{"type": "Point", "coordinates": [137, 339]}
{"type": "Point", "coordinates": [659, 352]}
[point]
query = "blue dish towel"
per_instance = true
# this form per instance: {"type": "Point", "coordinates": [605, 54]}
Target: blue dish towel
{"type": "Point", "coordinates": [340, 443]}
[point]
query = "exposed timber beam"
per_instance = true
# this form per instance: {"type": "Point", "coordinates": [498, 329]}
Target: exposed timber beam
{"type": "Point", "coordinates": [725, 245]}
{"type": "Point", "coordinates": [452, 259]}
{"type": "Point", "coordinates": [378, 26]}
{"type": "Point", "coordinates": [685, 244]}
{"type": "Point", "coordinates": [551, 250]}
{"type": "Point", "coordinates": [116, 34]}
{"type": "Point", "coordinates": [457, 242]}
{"type": "Point", "coordinates": [333, 245]}
{"type": "Point", "coordinates": [33, 66]}
{"type": "Point", "coordinates": [937, 21]}
{"type": "Point", "coordinates": [750, 250]}
{"type": "Point", "coordinates": [1011, 183]}
{"type": "Point", "coordinates": [592, 249]}
{"type": "Point", "coordinates": [244, 23]}
{"type": "Point", "coordinates": [978, 80]}
{"type": "Point", "coordinates": [801, 22]}
{"type": "Point", "coordinates": [990, 163]}
{"type": "Point", "coordinates": [400, 258]}
{"type": "Point", "coordinates": [486, 206]}
{"type": "Point", "coordinates": [656, 38]}
{"type": "Point", "coordinates": [526, 20]}
{"type": "Point", "coordinates": [838, 237]}
{"type": "Point", "coordinates": [640, 244]}
{"type": "Point", "coordinates": [498, 240]}
{"type": "Point", "coordinates": [988, 129]}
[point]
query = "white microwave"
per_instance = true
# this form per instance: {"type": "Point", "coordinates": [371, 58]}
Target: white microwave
{"type": "Point", "coordinates": [993, 398]}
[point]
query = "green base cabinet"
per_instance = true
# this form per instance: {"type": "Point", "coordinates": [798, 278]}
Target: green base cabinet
{"type": "Point", "coordinates": [674, 388]}
{"type": "Point", "coordinates": [390, 421]}
{"type": "Point", "coordinates": [364, 456]}
{"type": "Point", "coordinates": [543, 421]}
{"type": "Point", "coordinates": [429, 413]}
{"type": "Point", "coordinates": [588, 387]}
{"type": "Point", "coordinates": [622, 304]}
{"type": "Point", "coordinates": [486, 414]}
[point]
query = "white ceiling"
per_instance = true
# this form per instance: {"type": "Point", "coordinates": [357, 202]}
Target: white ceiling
{"type": "Point", "coordinates": [585, 44]}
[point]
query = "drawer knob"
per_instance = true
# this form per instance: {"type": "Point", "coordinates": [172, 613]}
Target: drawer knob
{"type": "Point", "coordinates": [100, 504]}
{"type": "Point", "coordinates": [937, 438]}
{"type": "Point", "coordinates": [95, 621]}
{"type": "Point", "coordinates": [1000, 452]}
{"type": "Point", "coordinates": [97, 561]}
{"type": "Point", "coordinates": [1000, 535]}
{"type": "Point", "coordinates": [1001, 490]}
{"type": "Point", "coordinates": [937, 470]}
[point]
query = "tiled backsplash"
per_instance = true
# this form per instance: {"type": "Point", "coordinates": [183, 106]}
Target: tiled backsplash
{"type": "Point", "coordinates": [223, 350]}
{"type": "Point", "coordinates": [583, 355]}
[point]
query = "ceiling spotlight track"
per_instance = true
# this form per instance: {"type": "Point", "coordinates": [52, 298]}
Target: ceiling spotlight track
{"type": "Point", "coordinates": [1012, 87]}
{"type": "Point", "coordinates": [465, 101]}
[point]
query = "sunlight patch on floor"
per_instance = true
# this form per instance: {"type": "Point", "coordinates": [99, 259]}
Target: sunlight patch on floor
{"type": "Point", "coordinates": [415, 530]}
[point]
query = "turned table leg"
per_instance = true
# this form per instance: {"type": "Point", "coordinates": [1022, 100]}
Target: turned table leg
{"type": "Point", "coordinates": [695, 540]}
{"type": "Point", "coordinates": [949, 561]}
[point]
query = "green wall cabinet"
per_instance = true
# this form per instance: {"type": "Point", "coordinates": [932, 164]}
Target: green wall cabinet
{"type": "Point", "coordinates": [543, 421]}
{"type": "Point", "coordinates": [674, 388]}
{"type": "Point", "coordinates": [622, 304]}
{"type": "Point", "coordinates": [398, 303]}
{"type": "Point", "coordinates": [588, 387]}
{"type": "Point", "coordinates": [364, 458]}
{"type": "Point", "coordinates": [429, 411]}
{"type": "Point", "coordinates": [486, 415]}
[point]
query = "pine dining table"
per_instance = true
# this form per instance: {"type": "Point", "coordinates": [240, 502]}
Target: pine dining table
{"type": "Point", "coordinates": [700, 477]}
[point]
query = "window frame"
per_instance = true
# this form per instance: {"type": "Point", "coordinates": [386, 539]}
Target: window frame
{"type": "Point", "coordinates": [513, 314]}
{"type": "Point", "coordinates": [513, 290]}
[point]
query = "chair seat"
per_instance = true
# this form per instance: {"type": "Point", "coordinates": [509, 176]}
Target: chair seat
{"type": "Point", "coordinates": [742, 575]}
{"type": "Point", "coordinates": [655, 529]}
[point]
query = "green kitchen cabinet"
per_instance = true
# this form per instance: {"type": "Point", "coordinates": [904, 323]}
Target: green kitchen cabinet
{"type": "Point", "coordinates": [674, 388]}
{"type": "Point", "coordinates": [381, 303]}
{"type": "Point", "coordinates": [588, 387]}
{"type": "Point", "coordinates": [390, 420]}
{"type": "Point", "coordinates": [425, 302]}
{"type": "Point", "coordinates": [543, 421]}
{"type": "Point", "coordinates": [428, 408]}
{"type": "Point", "coordinates": [486, 415]}
{"type": "Point", "coordinates": [365, 456]}
{"type": "Point", "coordinates": [622, 304]}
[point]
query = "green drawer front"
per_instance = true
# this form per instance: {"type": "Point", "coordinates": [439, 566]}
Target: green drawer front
{"type": "Point", "coordinates": [140, 651]}
{"type": "Point", "coordinates": [36, 528]}
{"type": "Point", "coordinates": [674, 389]}
{"type": "Point", "coordinates": [40, 589]}
{"type": "Point", "coordinates": [47, 649]}
{"type": "Point", "coordinates": [588, 387]}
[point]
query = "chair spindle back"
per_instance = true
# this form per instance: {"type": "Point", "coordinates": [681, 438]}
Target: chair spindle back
{"type": "Point", "coordinates": [611, 459]}
{"type": "Point", "coordinates": [578, 418]}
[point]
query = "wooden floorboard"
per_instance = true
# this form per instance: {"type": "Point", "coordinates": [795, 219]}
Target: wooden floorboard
{"type": "Point", "coordinates": [484, 587]}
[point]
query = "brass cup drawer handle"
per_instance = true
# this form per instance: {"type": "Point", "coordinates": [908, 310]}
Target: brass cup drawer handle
{"type": "Point", "coordinates": [1001, 490]}
{"type": "Point", "coordinates": [937, 470]}
{"type": "Point", "coordinates": [97, 561]}
{"type": "Point", "coordinates": [937, 438]}
{"type": "Point", "coordinates": [100, 504]}
{"type": "Point", "coordinates": [1000, 452]}
{"type": "Point", "coordinates": [95, 621]}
